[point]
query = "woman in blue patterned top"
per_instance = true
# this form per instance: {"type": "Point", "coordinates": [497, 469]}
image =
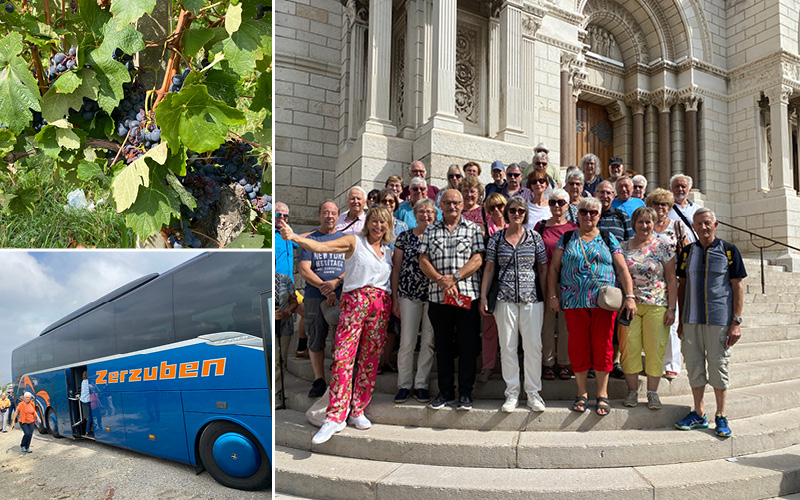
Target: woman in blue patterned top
{"type": "Point", "coordinates": [522, 259]}
{"type": "Point", "coordinates": [410, 303]}
{"type": "Point", "coordinates": [585, 263]}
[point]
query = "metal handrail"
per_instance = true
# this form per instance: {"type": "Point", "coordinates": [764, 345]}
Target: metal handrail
{"type": "Point", "coordinates": [760, 247]}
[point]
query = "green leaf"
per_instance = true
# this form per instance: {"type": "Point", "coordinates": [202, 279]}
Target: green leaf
{"type": "Point", "coordinates": [195, 119]}
{"type": "Point", "coordinates": [112, 74]}
{"type": "Point", "coordinates": [129, 11]}
{"type": "Point", "coordinates": [57, 138]}
{"type": "Point", "coordinates": [262, 98]}
{"type": "Point", "coordinates": [181, 192]}
{"type": "Point", "coordinates": [194, 40]}
{"type": "Point", "coordinates": [56, 105]}
{"type": "Point", "coordinates": [221, 85]}
{"type": "Point", "coordinates": [67, 83]}
{"type": "Point", "coordinates": [154, 206]}
{"type": "Point", "coordinates": [88, 170]}
{"type": "Point", "coordinates": [7, 141]}
{"type": "Point", "coordinates": [233, 19]}
{"type": "Point", "coordinates": [93, 16]}
{"type": "Point", "coordinates": [125, 187]}
{"type": "Point", "coordinates": [19, 92]}
{"type": "Point", "coordinates": [23, 200]}
{"type": "Point", "coordinates": [247, 240]}
{"type": "Point", "coordinates": [36, 31]}
{"type": "Point", "coordinates": [193, 6]}
{"type": "Point", "coordinates": [246, 46]}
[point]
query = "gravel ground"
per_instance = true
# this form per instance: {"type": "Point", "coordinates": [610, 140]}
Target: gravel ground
{"type": "Point", "coordinates": [63, 468]}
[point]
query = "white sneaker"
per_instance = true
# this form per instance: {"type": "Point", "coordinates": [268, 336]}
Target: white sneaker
{"type": "Point", "coordinates": [535, 402]}
{"type": "Point", "coordinates": [360, 422]}
{"type": "Point", "coordinates": [509, 405]}
{"type": "Point", "coordinates": [328, 429]}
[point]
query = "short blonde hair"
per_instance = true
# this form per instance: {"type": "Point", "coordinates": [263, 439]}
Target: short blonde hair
{"type": "Point", "coordinates": [659, 195]}
{"type": "Point", "coordinates": [381, 213]}
{"type": "Point", "coordinates": [495, 199]}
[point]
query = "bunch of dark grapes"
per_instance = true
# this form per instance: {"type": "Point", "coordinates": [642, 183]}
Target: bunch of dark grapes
{"type": "Point", "coordinates": [183, 237]}
{"type": "Point", "coordinates": [131, 120]}
{"type": "Point", "coordinates": [261, 9]}
{"type": "Point", "coordinates": [263, 204]}
{"type": "Point", "coordinates": [124, 58]}
{"type": "Point", "coordinates": [204, 182]}
{"type": "Point", "coordinates": [177, 81]}
{"type": "Point", "coordinates": [61, 63]}
{"type": "Point", "coordinates": [89, 108]}
{"type": "Point", "coordinates": [38, 121]}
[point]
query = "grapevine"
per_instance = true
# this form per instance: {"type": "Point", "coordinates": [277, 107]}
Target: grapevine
{"type": "Point", "coordinates": [158, 126]}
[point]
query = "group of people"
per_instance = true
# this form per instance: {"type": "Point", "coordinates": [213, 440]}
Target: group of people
{"type": "Point", "coordinates": [472, 269]}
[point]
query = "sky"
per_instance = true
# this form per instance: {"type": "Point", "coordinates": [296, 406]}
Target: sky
{"type": "Point", "coordinates": [38, 288]}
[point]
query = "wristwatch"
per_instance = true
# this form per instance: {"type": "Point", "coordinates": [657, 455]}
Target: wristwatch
{"type": "Point", "coordinates": [737, 319]}
{"type": "Point", "coordinates": [457, 276]}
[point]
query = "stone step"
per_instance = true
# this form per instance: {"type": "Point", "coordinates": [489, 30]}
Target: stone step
{"type": "Point", "coordinates": [771, 288]}
{"type": "Point", "coordinates": [772, 298]}
{"type": "Point", "coordinates": [769, 333]}
{"type": "Point", "coordinates": [745, 352]}
{"type": "Point", "coordinates": [742, 403]}
{"type": "Point", "coordinates": [314, 475]}
{"type": "Point", "coordinates": [753, 318]}
{"type": "Point", "coordinates": [762, 308]}
{"type": "Point", "coordinates": [742, 374]}
{"type": "Point", "coordinates": [543, 450]}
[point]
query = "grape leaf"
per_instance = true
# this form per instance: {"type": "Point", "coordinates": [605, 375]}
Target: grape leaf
{"type": "Point", "coordinates": [126, 183]}
{"type": "Point", "coordinates": [246, 46]}
{"type": "Point", "coordinates": [67, 83]}
{"type": "Point", "coordinates": [7, 141]}
{"type": "Point", "coordinates": [55, 139]}
{"type": "Point", "coordinates": [233, 19]}
{"type": "Point", "coordinates": [110, 73]}
{"type": "Point", "coordinates": [23, 200]}
{"type": "Point", "coordinates": [88, 170]}
{"type": "Point", "coordinates": [19, 92]}
{"type": "Point", "coordinates": [154, 206]}
{"type": "Point", "coordinates": [93, 16]}
{"type": "Point", "coordinates": [56, 105]}
{"type": "Point", "coordinates": [194, 40]}
{"type": "Point", "coordinates": [128, 11]}
{"type": "Point", "coordinates": [193, 6]}
{"type": "Point", "coordinates": [247, 240]}
{"type": "Point", "coordinates": [262, 98]}
{"type": "Point", "coordinates": [36, 32]}
{"type": "Point", "coordinates": [195, 119]}
{"type": "Point", "coordinates": [181, 192]}
{"type": "Point", "coordinates": [221, 85]}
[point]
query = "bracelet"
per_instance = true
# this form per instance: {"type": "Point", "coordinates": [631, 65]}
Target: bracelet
{"type": "Point", "coordinates": [554, 297]}
{"type": "Point", "coordinates": [630, 296]}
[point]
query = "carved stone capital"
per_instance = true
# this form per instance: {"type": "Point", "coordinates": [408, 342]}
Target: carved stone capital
{"type": "Point", "coordinates": [530, 25]}
{"type": "Point", "coordinates": [690, 101]}
{"type": "Point", "coordinates": [663, 99]}
{"type": "Point", "coordinates": [637, 101]}
{"type": "Point", "coordinates": [780, 94]}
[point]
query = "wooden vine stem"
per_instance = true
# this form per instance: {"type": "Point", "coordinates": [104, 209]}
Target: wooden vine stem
{"type": "Point", "coordinates": [184, 21]}
{"type": "Point", "coordinates": [37, 64]}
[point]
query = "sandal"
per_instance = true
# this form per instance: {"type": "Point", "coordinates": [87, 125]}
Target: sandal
{"type": "Point", "coordinates": [564, 373]}
{"type": "Point", "coordinates": [603, 407]}
{"type": "Point", "coordinates": [548, 373]}
{"type": "Point", "coordinates": [581, 404]}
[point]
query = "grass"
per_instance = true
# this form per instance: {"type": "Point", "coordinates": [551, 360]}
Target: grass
{"type": "Point", "coordinates": [48, 224]}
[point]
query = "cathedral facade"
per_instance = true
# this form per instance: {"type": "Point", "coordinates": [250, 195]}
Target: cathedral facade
{"type": "Point", "coordinates": [709, 88]}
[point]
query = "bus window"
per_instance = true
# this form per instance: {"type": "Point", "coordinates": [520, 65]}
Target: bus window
{"type": "Point", "coordinates": [66, 344]}
{"type": "Point", "coordinates": [144, 317]}
{"type": "Point", "coordinates": [44, 351]}
{"type": "Point", "coordinates": [97, 333]}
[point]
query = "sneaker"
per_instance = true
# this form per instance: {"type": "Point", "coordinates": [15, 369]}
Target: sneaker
{"type": "Point", "coordinates": [535, 402]}
{"type": "Point", "coordinates": [632, 399]}
{"type": "Point", "coordinates": [360, 422]}
{"type": "Point", "coordinates": [422, 395]}
{"type": "Point", "coordinates": [617, 372]}
{"type": "Point", "coordinates": [692, 421]}
{"type": "Point", "coordinates": [28, 450]}
{"type": "Point", "coordinates": [328, 429]}
{"type": "Point", "coordinates": [465, 402]}
{"type": "Point", "coordinates": [653, 401]}
{"type": "Point", "coordinates": [402, 395]}
{"type": "Point", "coordinates": [509, 405]}
{"type": "Point", "coordinates": [722, 429]}
{"type": "Point", "coordinates": [441, 401]}
{"type": "Point", "coordinates": [484, 375]}
{"type": "Point", "coordinates": [22, 449]}
{"type": "Point", "coordinates": [317, 388]}
{"type": "Point", "coordinates": [301, 354]}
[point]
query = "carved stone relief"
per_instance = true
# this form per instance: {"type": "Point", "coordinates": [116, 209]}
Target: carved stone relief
{"type": "Point", "coordinates": [614, 12]}
{"type": "Point", "coordinates": [398, 77]}
{"type": "Point", "coordinates": [603, 43]}
{"type": "Point", "coordinates": [468, 68]}
{"type": "Point", "coordinates": [530, 25]}
{"type": "Point", "coordinates": [766, 138]}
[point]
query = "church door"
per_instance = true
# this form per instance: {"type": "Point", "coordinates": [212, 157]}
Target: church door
{"type": "Point", "coordinates": [594, 134]}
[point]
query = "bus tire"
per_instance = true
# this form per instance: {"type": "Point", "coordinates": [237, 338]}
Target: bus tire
{"type": "Point", "coordinates": [52, 423]}
{"type": "Point", "coordinates": [41, 426]}
{"type": "Point", "coordinates": [234, 457]}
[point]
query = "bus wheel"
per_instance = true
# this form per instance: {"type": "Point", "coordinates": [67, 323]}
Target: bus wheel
{"type": "Point", "coordinates": [40, 423]}
{"type": "Point", "coordinates": [52, 423]}
{"type": "Point", "coordinates": [234, 457]}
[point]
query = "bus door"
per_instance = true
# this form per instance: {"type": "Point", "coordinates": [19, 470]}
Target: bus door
{"type": "Point", "coordinates": [61, 404]}
{"type": "Point", "coordinates": [77, 418]}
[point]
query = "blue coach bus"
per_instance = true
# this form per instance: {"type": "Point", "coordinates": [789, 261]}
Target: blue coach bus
{"type": "Point", "coordinates": [176, 365]}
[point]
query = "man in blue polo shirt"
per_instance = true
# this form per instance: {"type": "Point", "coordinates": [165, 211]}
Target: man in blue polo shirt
{"type": "Point", "coordinates": [624, 200]}
{"type": "Point", "coordinates": [711, 292]}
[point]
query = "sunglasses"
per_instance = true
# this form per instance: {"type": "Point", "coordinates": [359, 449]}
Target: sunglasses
{"type": "Point", "coordinates": [560, 203]}
{"type": "Point", "coordinates": [514, 175]}
{"type": "Point", "coordinates": [590, 213]}
{"type": "Point", "coordinates": [388, 201]}
{"type": "Point", "coordinates": [279, 214]}
{"type": "Point", "coordinates": [497, 207]}
{"type": "Point", "coordinates": [660, 204]}
{"type": "Point", "coordinates": [517, 211]}
{"type": "Point", "coordinates": [539, 181]}
{"type": "Point", "coordinates": [541, 163]}
{"type": "Point", "coordinates": [418, 189]}
{"type": "Point", "coordinates": [453, 176]}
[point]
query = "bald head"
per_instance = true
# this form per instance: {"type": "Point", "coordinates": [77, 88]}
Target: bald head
{"type": "Point", "coordinates": [418, 169]}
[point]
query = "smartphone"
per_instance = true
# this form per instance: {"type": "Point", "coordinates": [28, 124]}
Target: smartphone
{"type": "Point", "coordinates": [624, 317]}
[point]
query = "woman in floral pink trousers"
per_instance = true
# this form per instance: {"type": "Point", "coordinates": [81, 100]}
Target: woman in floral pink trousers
{"type": "Point", "coordinates": [363, 317]}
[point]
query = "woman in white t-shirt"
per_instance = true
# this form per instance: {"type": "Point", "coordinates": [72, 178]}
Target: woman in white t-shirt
{"type": "Point", "coordinates": [363, 318]}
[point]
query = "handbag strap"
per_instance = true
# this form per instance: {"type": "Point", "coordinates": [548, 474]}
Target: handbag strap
{"type": "Point", "coordinates": [588, 264]}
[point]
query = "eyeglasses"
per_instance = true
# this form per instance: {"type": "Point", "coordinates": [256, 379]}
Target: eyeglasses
{"type": "Point", "coordinates": [497, 207]}
{"type": "Point", "coordinates": [451, 202]}
{"type": "Point", "coordinates": [660, 204]}
{"type": "Point", "coordinates": [560, 203]}
{"type": "Point", "coordinates": [419, 189]}
{"type": "Point", "coordinates": [539, 181]}
{"type": "Point", "coordinates": [279, 215]}
{"type": "Point", "coordinates": [517, 211]}
{"type": "Point", "coordinates": [637, 187]}
{"type": "Point", "coordinates": [514, 175]}
{"type": "Point", "coordinates": [541, 163]}
{"type": "Point", "coordinates": [453, 176]}
{"type": "Point", "coordinates": [388, 201]}
{"type": "Point", "coordinates": [590, 213]}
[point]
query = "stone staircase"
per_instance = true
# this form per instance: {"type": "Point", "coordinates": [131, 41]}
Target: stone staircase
{"type": "Point", "coordinates": [414, 452]}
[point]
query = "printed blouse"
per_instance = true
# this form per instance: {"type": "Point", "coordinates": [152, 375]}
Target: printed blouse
{"type": "Point", "coordinates": [518, 275]}
{"type": "Point", "coordinates": [412, 284]}
{"type": "Point", "coordinates": [646, 266]}
{"type": "Point", "coordinates": [580, 284]}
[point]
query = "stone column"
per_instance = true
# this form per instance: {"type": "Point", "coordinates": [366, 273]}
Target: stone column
{"type": "Point", "coordinates": [651, 145]}
{"type": "Point", "coordinates": [412, 101]}
{"type": "Point", "coordinates": [567, 139]}
{"type": "Point", "coordinates": [781, 143]}
{"type": "Point", "coordinates": [494, 76]}
{"type": "Point", "coordinates": [443, 113]}
{"type": "Point", "coordinates": [358, 30]}
{"type": "Point", "coordinates": [379, 57]}
{"type": "Point", "coordinates": [664, 144]}
{"type": "Point", "coordinates": [510, 71]}
{"type": "Point", "coordinates": [637, 111]}
{"type": "Point", "coordinates": [576, 83]}
{"type": "Point", "coordinates": [692, 147]}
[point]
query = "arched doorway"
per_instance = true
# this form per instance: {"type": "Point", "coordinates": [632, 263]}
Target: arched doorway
{"type": "Point", "coordinates": [594, 134]}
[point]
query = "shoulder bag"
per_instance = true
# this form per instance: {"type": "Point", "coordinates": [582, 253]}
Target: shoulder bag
{"type": "Point", "coordinates": [610, 297]}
